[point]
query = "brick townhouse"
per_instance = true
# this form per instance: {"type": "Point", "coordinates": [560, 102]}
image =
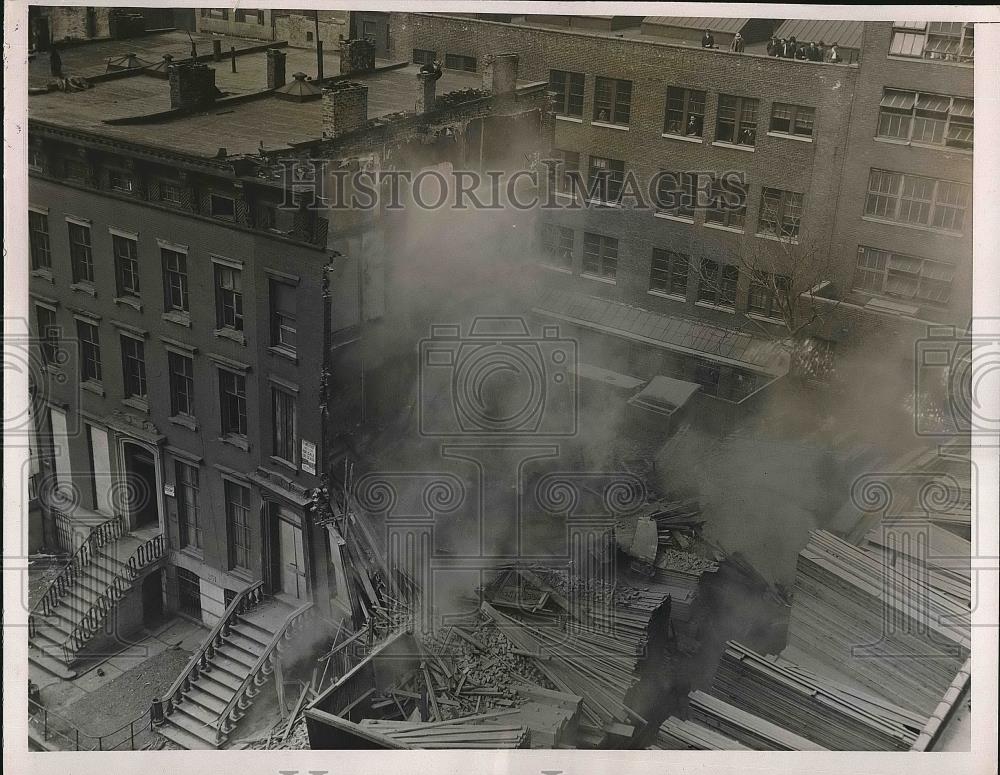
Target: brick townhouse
{"type": "Point", "coordinates": [868, 162]}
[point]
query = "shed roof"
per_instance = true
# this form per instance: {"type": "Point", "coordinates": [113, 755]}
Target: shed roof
{"type": "Point", "coordinates": [715, 24]}
{"type": "Point", "coordinates": [845, 33]}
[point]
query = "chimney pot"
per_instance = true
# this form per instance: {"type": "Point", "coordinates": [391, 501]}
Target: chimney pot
{"type": "Point", "coordinates": [426, 91]}
{"type": "Point", "coordinates": [192, 85]}
{"type": "Point", "coordinates": [275, 68]}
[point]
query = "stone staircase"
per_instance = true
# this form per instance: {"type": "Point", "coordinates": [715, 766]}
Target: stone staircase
{"type": "Point", "coordinates": [73, 610]}
{"type": "Point", "coordinates": [221, 680]}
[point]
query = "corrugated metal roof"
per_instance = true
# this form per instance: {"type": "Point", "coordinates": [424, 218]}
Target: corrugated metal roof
{"type": "Point", "coordinates": [847, 34]}
{"type": "Point", "coordinates": [698, 23]}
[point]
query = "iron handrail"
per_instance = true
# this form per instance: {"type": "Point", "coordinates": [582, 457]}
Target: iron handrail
{"type": "Point", "coordinates": [73, 735]}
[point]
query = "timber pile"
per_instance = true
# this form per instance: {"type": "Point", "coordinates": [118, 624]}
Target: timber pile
{"type": "Point", "coordinates": [847, 598]}
{"type": "Point", "coordinates": [809, 706]}
{"type": "Point", "coordinates": [944, 556]}
{"type": "Point", "coordinates": [456, 733]}
{"type": "Point", "coordinates": [552, 717]}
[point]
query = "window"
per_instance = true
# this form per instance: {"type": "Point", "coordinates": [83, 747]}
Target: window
{"type": "Point", "coordinates": [717, 283]}
{"type": "Point", "coordinates": [926, 118]}
{"type": "Point", "coordinates": [175, 281]}
{"type": "Point", "coordinates": [460, 62]}
{"type": "Point", "coordinates": [170, 192]}
{"type": "Point", "coordinates": [424, 56]}
{"type": "Point", "coordinates": [238, 519]}
{"type": "Point", "coordinates": [792, 119]}
{"type": "Point", "coordinates": [219, 13]}
{"type": "Point", "coordinates": [80, 253]}
{"type": "Point", "coordinates": [906, 277]}
{"type": "Point", "coordinates": [38, 238]}
{"type": "Point", "coordinates": [74, 169]}
{"type": "Point", "coordinates": [612, 100]}
{"type": "Point", "coordinates": [566, 169]}
{"type": "Point", "coordinates": [600, 255]}
{"type": "Point", "coordinates": [768, 295]}
{"type": "Point", "coordinates": [228, 297]}
{"type": "Point", "coordinates": [223, 207]}
{"type": "Point", "coordinates": [90, 351]}
{"type": "Point", "coordinates": [188, 515]}
{"type": "Point", "coordinates": [737, 120]}
{"type": "Point", "coordinates": [233, 402]}
{"type": "Point", "coordinates": [937, 41]}
{"type": "Point", "coordinates": [727, 202]}
{"type": "Point", "coordinates": [604, 182]}
{"type": "Point", "coordinates": [780, 213]}
{"type": "Point", "coordinates": [568, 88]}
{"type": "Point", "coordinates": [121, 181]}
{"type": "Point", "coordinates": [557, 245]}
{"type": "Point", "coordinates": [917, 201]}
{"type": "Point", "coordinates": [685, 112]}
{"type": "Point", "coordinates": [669, 272]}
{"type": "Point", "coordinates": [368, 29]}
{"type": "Point", "coordinates": [126, 265]}
{"type": "Point", "coordinates": [48, 334]}
{"type": "Point", "coordinates": [676, 194]}
{"type": "Point", "coordinates": [188, 593]}
{"type": "Point", "coordinates": [283, 415]}
{"type": "Point", "coordinates": [36, 159]}
{"type": "Point", "coordinates": [134, 367]}
{"type": "Point", "coordinates": [181, 384]}
{"type": "Point", "coordinates": [283, 315]}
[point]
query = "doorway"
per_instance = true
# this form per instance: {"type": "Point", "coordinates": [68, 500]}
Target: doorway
{"type": "Point", "coordinates": [141, 494]}
{"type": "Point", "coordinates": [152, 598]}
{"type": "Point", "coordinates": [287, 564]}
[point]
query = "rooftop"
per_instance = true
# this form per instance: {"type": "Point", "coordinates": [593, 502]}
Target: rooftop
{"type": "Point", "coordinates": [239, 126]}
{"type": "Point", "coordinates": [698, 23]}
{"type": "Point", "coordinates": [847, 34]}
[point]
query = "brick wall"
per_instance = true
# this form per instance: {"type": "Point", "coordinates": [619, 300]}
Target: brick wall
{"type": "Point", "coordinates": [300, 30]}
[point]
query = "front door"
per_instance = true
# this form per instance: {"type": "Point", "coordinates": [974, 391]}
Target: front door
{"type": "Point", "coordinates": [292, 571]}
{"type": "Point", "coordinates": [141, 492]}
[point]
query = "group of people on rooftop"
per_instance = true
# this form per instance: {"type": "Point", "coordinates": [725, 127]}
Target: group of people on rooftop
{"type": "Point", "coordinates": [786, 48]}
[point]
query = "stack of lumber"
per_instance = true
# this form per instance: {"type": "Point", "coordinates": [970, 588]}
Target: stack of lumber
{"type": "Point", "coordinates": [811, 707]}
{"type": "Point", "coordinates": [925, 547]}
{"type": "Point", "coordinates": [595, 666]}
{"type": "Point", "coordinates": [884, 626]}
{"type": "Point", "coordinates": [743, 727]}
{"type": "Point", "coordinates": [676, 734]}
{"type": "Point", "coordinates": [552, 717]}
{"type": "Point", "coordinates": [469, 732]}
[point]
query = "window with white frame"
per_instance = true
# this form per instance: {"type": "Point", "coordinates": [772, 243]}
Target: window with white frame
{"type": "Point", "coordinates": [126, 265]}
{"type": "Point", "coordinates": [728, 202]}
{"type": "Point", "coordinates": [80, 253]}
{"type": "Point", "coordinates": [935, 41]}
{"type": "Point", "coordinates": [188, 511]}
{"type": "Point", "coordinates": [884, 272]}
{"type": "Point", "coordinates": [605, 179]}
{"type": "Point", "coordinates": [238, 522]}
{"type": "Point", "coordinates": [568, 89]}
{"type": "Point", "coordinates": [181, 383]}
{"type": "Point", "coordinates": [736, 122]}
{"type": "Point", "coordinates": [768, 295]}
{"type": "Point", "coordinates": [932, 119]}
{"type": "Point", "coordinates": [600, 255]}
{"type": "Point", "coordinates": [134, 367]}
{"type": "Point", "coordinates": [717, 283]}
{"type": "Point", "coordinates": [676, 194]}
{"type": "Point", "coordinates": [228, 297]}
{"type": "Point", "coordinates": [89, 340]}
{"type": "Point", "coordinates": [612, 101]}
{"type": "Point", "coordinates": [283, 329]}
{"type": "Point", "coordinates": [557, 245]}
{"type": "Point", "coordinates": [283, 420]}
{"type": "Point", "coordinates": [175, 280]}
{"type": "Point", "coordinates": [685, 114]}
{"type": "Point", "coordinates": [38, 240]}
{"type": "Point", "coordinates": [915, 200]}
{"type": "Point", "coordinates": [796, 120]}
{"type": "Point", "coordinates": [780, 213]}
{"type": "Point", "coordinates": [233, 402]}
{"type": "Point", "coordinates": [669, 272]}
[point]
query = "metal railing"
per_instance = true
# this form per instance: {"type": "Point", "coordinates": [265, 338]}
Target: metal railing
{"type": "Point", "coordinates": [201, 660]}
{"type": "Point", "coordinates": [100, 536]}
{"type": "Point", "coordinates": [90, 623]}
{"type": "Point", "coordinates": [68, 737]}
{"type": "Point", "coordinates": [261, 671]}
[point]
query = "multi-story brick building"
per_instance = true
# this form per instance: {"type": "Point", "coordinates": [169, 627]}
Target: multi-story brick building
{"type": "Point", "coordinates": [815, 144]}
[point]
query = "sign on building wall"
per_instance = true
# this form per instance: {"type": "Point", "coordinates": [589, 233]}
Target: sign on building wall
{"type": "Point", "coordinates": [309, 457]}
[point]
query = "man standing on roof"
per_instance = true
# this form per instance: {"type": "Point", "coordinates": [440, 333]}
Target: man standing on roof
{"type": "Point", "coordinates": [55, 62]}
{"type": "Point", "coordinates": [707, 41]}
{"type": "Point", "coordinates": [737, 44]}
{"type": "Point", "coordinates": [833, 55]}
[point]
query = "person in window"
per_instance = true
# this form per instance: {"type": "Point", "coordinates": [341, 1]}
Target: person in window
{"type": "Point", "coordinates": [707, 41]}
{"type": "Point", "coordinates": [737, 45]}
{"type": "Point", "coordinates": [602, 116]}
{"type": "Point", "coordinates": [833, 55]}
{"type": "Point", "coordinates": [747, 136]}
{"type": "Point", "coordinates": [694, 126]}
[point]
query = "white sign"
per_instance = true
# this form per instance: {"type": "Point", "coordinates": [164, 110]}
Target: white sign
{"type": "Point", "coordinates": [308, 457]}
{"type": "Point", "coordinates": [168, 490]}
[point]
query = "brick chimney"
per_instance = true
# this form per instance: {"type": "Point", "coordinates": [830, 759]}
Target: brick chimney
{"type": "Point", "coordinates": [345, 108]}
{"type": "Point", "coordinates": [426, 91]}
{"type": "Point", "coordinates": [500, 74]}
{"type": "Point", "coordinates": [192, 85]}
{"type": "Point", "coordinates": [357, 56]}
{"type": "Point", "coordinates": [275, 68]}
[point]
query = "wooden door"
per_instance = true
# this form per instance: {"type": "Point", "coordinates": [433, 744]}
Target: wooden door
{"type": "Point", "coordinates": [292, 560]}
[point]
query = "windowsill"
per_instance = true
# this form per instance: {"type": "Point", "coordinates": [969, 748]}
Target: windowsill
{"type": "Point", "coordinates": [929, 146]}
{"type": "Point", "coordinates": [786, 136]}
{"type": "Point", "coordinates": [669, 217]}
{"type": "Point", "coordinates": [193, 552]}
{"type": "Point", "coordinates": [553, 268]}
{"type": "Point", "coordinates": [602, 203]}
{"type": "Point", "coordinates": [229, 333]}
{"type": "Point", "coordinates": [283, 352]}
{"type": "Point", "coordinates": [609, 125]}
{"type": "Point", "coordinates": [284, 463]}
{"type": "Point", "coordinates": [917, 227]}
{"type": "Point", "coordinates": [185, 421]}
{"type": "Point", "coordinates": [572, 119]}
{"type": "Point", "coordinates": [139, 404]}
{"type": "Point", "coordinates": [87, 288]}
{"type": "Point", "coordinates": [178, 318]}
{"type": "Point", "coordinates": [129, 302]}
{"type": "Point", "coordinates": [734, 146]}
{"type": "Point", "coordinates": [240, 442]}
{"type": "Point", "coordinates": [92, 387]}
{"type": "Point", "coordinates": [43, 274]}
{"type": "Point", "coordinates": [765, 319]}
{"type": "Point", "coordinates": [665, 295]}
{"type": "Point", "coordinates": [598, 278]}
{"type": "Point", "coordinates": [720, 227]}
{"type": "Point", "coordinates": [243, 574]}
{"type": "Point", "coordinates": [930, 61]}
{"type": "Point", "coordinates": [776, 238]}
{"type": "Point", "coordinates": [683, 138]}
{"type": "Point", "coordinates": [717, 307]}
